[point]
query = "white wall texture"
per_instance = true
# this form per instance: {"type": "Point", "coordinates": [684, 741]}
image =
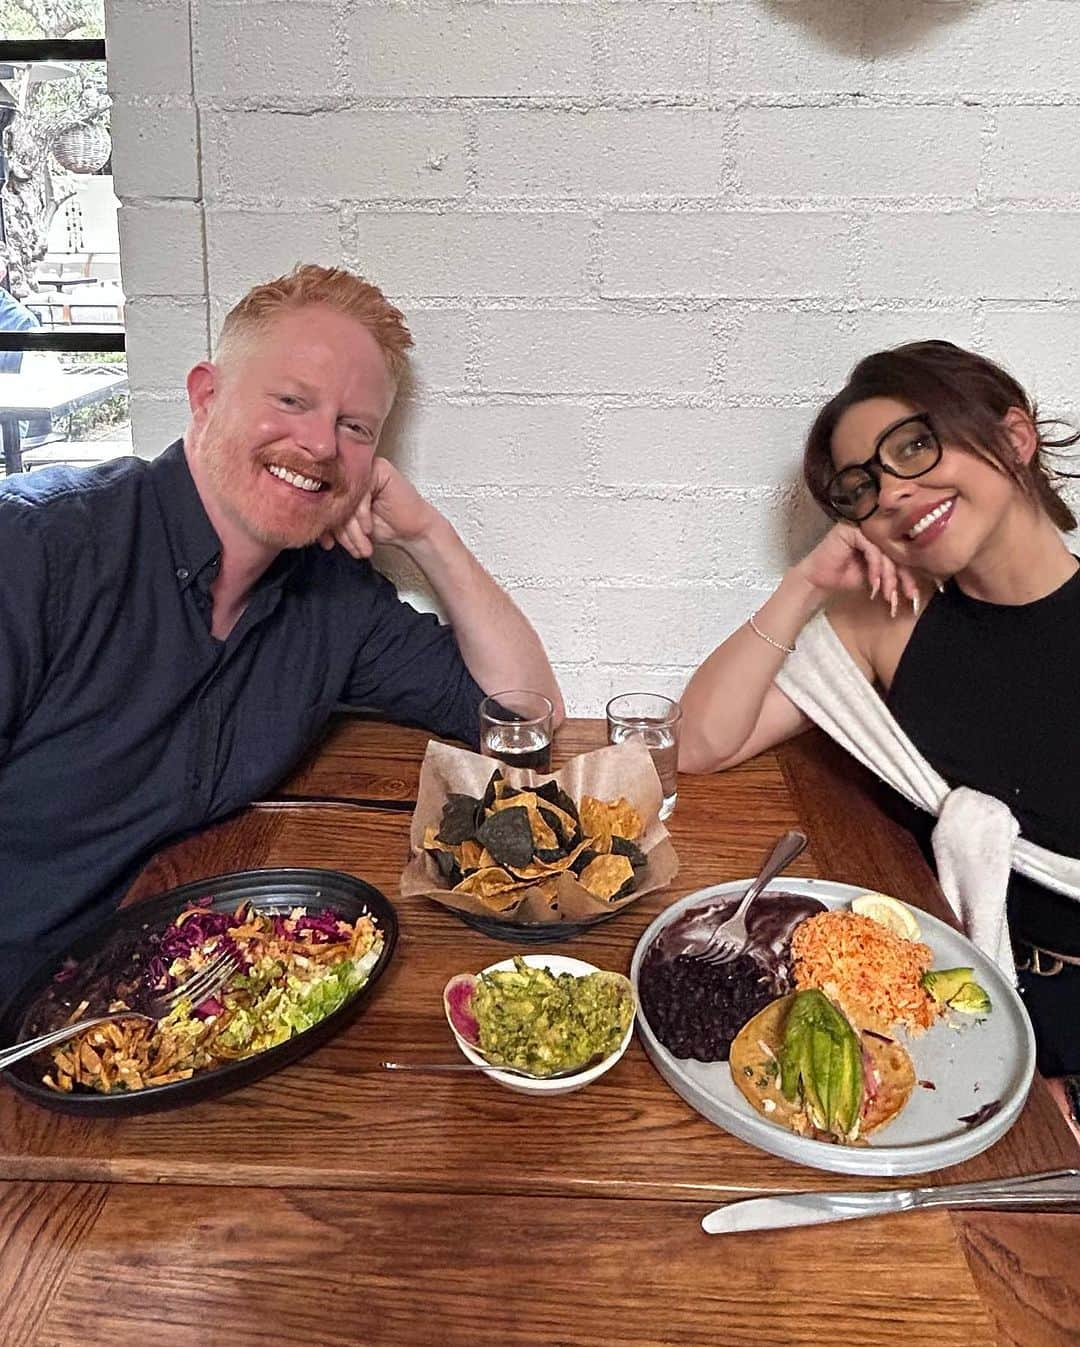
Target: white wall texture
{"type": "Point", "coordinates": [637, 244]}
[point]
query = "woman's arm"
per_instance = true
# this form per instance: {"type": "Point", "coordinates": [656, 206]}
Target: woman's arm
{"type": "Point", "coordinates": [731, 708]}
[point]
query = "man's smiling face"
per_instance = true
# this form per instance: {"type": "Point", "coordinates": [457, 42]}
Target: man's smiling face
{"type": "Point", "coordinates": [286, 426]}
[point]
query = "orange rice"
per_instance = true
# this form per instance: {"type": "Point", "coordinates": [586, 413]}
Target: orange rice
{"type": "Point", "coordinates": [871, 973]}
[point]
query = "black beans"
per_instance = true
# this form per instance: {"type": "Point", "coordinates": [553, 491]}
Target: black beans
{"type": "Point", "coordinates": [695, 1009]}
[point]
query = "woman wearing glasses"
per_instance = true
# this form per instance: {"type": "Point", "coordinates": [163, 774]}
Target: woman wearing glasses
{"type": "Point", "coordinates": [946, 580]}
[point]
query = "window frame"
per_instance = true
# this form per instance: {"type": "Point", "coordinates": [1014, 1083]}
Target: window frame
{"type": "Point", "coordinates": [71, 49]}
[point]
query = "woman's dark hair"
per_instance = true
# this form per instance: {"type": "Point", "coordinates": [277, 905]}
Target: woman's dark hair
{"type": "Point", "coordinates": [966, 397]}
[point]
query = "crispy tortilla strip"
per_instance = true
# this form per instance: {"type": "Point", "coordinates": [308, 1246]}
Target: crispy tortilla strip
{"type": "Point", "coordinates": [599, 817]}
{"type": "Point", "coordinates": [606, 875]}
{"type": "Point", "coordinates": [484, 883]}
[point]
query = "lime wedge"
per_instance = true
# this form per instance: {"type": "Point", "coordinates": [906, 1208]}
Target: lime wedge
{"type": "Point", "coordinates": [889, 912]}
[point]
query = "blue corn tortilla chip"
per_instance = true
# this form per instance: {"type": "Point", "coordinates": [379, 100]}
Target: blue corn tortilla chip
{"type": "Point", "coordinates": [622, 846]}
{"type": "Point", "coordinates": [508, 837]}
{"type": "Point", "coordinates": [458, 819]}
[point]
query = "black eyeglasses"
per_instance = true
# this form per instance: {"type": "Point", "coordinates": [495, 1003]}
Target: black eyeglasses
{"type": "Point", "coordinates": [909, 448]}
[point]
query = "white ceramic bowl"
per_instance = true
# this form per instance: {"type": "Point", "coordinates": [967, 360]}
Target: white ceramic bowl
{"type": "Point", "coordinates": [558, 963]}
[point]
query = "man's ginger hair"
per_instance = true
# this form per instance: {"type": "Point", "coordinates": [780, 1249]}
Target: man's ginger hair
{"type": "Point", "coordinates": [310, 285]}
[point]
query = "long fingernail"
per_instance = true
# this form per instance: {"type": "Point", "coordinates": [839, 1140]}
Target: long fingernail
{"type": "Point", "coordinates": [892, 603]}
{"type": "Point", "coordinates": [874, 590]}
{"type": "Point", "coordinates": [915, 603]}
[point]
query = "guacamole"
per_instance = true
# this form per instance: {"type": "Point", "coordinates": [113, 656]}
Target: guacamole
{"type": "Point", "coordinates": [539, 1021]}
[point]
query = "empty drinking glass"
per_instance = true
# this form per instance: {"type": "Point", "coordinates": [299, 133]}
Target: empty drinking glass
{"type": "Point", "coordinates": [516, 728]}
{"type": "Point", "coordinates": [655, 720]}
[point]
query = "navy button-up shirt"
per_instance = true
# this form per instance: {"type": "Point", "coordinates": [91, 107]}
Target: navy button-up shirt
{"type": "Point", "coordinates": [125, 723]}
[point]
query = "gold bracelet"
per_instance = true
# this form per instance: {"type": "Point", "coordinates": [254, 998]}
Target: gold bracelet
{"type": "Point", "coordinates": [787, 649]}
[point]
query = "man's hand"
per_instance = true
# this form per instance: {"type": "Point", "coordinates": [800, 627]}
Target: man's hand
{"type": "Point", "coordinates": [391, 511]}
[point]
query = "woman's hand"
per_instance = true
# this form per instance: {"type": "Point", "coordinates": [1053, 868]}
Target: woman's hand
{"type": "Point", "coordinates": [846, 560]}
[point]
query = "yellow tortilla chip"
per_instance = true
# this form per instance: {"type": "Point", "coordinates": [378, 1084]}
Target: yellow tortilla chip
{"type": "Point", "coordinates": [605, 875]}
{"type": "Point", "coordinates": [470, 854]}
{"type": "Point", "coordinates": [486, 883]}
{"type": "Point", "coordinates": [601, 818]}
{"type": "Point", "coordinates": [431, 838]}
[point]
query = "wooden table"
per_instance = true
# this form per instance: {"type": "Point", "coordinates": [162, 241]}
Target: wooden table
{"type": "Point", "coordinates": [333, 1204]}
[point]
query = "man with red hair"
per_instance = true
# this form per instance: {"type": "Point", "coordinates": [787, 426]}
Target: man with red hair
{"type": "Point", "coordinates": [176, 633]}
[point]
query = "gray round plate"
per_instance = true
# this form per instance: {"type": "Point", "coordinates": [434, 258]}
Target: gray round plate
{"type": "Point", "coordinates": [972, 1066]}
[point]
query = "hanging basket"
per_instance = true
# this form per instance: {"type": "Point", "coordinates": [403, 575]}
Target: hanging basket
{"type": "Point", "coordinates": [83, 149]}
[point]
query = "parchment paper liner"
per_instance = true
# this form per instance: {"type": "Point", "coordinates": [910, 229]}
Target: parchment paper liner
{"type": "Point", "coordinates": [624, 769]}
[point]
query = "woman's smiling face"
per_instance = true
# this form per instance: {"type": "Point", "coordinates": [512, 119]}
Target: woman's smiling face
{"type": "Point", "coordinates": [938, 522]}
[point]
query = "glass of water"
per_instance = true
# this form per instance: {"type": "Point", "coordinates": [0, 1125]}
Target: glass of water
{"type": "Point", "coordinates": [655, 720]}
{"type": "Point", "coordinates": [516, 728]}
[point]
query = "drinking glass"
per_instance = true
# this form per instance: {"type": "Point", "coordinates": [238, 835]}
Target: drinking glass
{"type": "Point", "coordinates": [516, 728]}
{"type": "Point", "coordinates": [654, 719]}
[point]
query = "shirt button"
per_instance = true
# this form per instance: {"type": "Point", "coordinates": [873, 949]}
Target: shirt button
{"type": "Point", "coordinates": [182, 572]}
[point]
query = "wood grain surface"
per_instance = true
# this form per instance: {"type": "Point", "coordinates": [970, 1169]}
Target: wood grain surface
{"type": "Point", "coordinates": [187, 1267]}
{"type": "Point", "coordinates": [313, 1206]}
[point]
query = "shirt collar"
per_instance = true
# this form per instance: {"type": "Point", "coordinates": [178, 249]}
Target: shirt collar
{"type": "Point", "coordinates": [192, 538]}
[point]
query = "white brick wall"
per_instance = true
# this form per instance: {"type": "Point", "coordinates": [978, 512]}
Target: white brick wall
{"type": "Point", "coordinates": [637, 240]}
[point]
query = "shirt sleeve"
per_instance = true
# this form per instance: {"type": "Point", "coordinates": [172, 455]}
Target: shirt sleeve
{"type": "Point", "coordinates": [410, 668]}
{"type": "Point", "coordinates": [24, 618]}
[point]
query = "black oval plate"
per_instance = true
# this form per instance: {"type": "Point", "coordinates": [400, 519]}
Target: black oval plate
{"type": "Point", "coordinates": [269, 891]}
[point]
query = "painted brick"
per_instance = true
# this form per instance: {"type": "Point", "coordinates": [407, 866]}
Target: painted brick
{"type": "Point", "coordinates": [488, 444]}
{"type": "Point", "coordinates": [1040, 348]}
{"type": "Point", "coordinates": [858, 151]}
{"type": "Point", "coordinates": [165, 337]}
{"type": "Point", "coordinates": [471, 51]}
{"type": "Point", "coordinates": [149, 47]}
{"type": "Point", "coordinates": [704, 446]}
{"type": "Point", "coordinates": [654, 48]}
{"type": "Point", "coordinates": [487, 254]}
{"type": "Point", "coordinates": [535, 538]}
{"type": "Point", "coordinates": [1032, 46]}
{"type": "Point", "coordinates": [1035, 152]}
{"type": "Point", "coordinates": [442, 348]}
{"type": "Point", "coordinates": [156, 422]}
{"type": "Point", "coordinates": [788, 46]}
{"type": "Point", "coordinates": [999, 255]}
{"type": "Point", "coordinates": [236, 45]}
{"type": "Point", "coordinates": [808, 355]}
{"type": "Point", "coordinates": [594, 352]}
{"type": "Point", "coordinates": [655, 151]}
{"type": "Point", "coordinates": [588, 688]}
{"type": "Point", "coordinates": [564, 617]}
{"type": "Point", "coordinates": [154, 150]}
{"type": "Point", "coordinates": [674, 625]}
{"type": "Point", "coordinates": [725, 253]}
{"type": "Point", "coordinates": [247, 247]}
{"type": "Point", "coordinates": [332, 156]}
{"type": "Point", "coordinates": [162, 247]}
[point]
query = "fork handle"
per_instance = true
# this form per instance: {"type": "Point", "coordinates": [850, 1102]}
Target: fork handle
{"type": "Point", "coordinates": [783, 853]}
{"type": "Point", "coordinates": [9, 1056]}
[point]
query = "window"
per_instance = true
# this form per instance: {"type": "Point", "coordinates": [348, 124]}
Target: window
{"type": "Point", "coordinates": [63, 374]}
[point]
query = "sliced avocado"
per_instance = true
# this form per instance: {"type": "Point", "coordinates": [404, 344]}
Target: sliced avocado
{"type": "Point", "coordinates": [944, 983]}
{"type": "Point", "coordinates": [971, 999]}
{"type": "Point", "coordinates": [822, 1052]}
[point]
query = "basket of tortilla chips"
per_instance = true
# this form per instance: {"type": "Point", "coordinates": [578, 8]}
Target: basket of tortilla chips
{"type": "Point", "coordinates": [516, 853]}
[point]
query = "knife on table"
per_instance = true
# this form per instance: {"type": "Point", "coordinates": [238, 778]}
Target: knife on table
{"type": "Point", "coordinates": [1059, 1190]}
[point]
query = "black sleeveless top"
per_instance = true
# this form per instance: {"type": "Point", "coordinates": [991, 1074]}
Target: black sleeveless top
{"type": "Point", "coordinates": [990, 695]}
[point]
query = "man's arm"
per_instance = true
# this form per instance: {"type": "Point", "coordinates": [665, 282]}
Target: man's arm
{"type": "Point", "coordinates": [497, 642]}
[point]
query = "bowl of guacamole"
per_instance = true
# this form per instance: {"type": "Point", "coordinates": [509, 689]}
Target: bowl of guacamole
{"type": "Point", "coordinates": [542, 1013]}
